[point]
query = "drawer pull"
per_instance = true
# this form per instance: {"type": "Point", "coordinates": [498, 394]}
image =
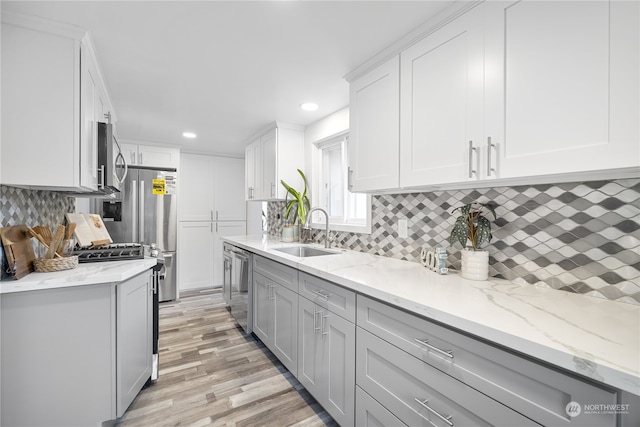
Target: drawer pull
{"type": "Point", "coordinates": [434, 412]}
{"type": "Point", "coordinates": [320, 294]}
{"type": "Point", "coordinates": [425, 343]}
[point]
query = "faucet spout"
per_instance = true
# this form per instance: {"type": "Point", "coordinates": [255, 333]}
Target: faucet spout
{"type": "Point", "coordinates": [326, 218]}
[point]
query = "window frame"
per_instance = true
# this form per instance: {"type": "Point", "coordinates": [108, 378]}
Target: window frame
{"type": "Point", "coordinates": [317, 219]}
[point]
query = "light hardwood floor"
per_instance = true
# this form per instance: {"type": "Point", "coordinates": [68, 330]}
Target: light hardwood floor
{"type": "Point", "coordinates": [212, 374]}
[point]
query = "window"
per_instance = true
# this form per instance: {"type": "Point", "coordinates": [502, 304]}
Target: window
{"type": "Point", "coordinates": [347, 211]}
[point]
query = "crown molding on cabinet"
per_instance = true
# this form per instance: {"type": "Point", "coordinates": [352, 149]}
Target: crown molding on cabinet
{"type": "Point", "coordinates": [444, 17]}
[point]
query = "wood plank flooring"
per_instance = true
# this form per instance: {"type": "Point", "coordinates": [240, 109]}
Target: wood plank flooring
{"type": "Point", "coordinates": [212, 374]}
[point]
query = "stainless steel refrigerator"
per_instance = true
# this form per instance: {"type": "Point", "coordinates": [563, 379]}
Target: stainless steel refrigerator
{"type": "Point", "coordinates": [145, 211]}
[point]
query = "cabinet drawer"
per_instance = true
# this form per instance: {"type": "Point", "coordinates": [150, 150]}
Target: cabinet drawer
{"type": "Point", "coordinates": [370, 413]}
{"type": "Point", "coordinates": [416, 392]}
{"type": "Point", "coordinates": [539, 392]}
{"type": "Point", "coordinates": [337, 299]}
{"type": "Point", "coordinates": [280, 273]}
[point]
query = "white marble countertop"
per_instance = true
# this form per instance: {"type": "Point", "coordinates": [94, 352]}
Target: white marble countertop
{"type": "Point", "coordinates": [597, 338]}
{"type": "Point", "coordinates": [90, 273]}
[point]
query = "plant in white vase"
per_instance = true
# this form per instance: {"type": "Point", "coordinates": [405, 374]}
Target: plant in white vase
{"type": "Point", "coordinates": [298, 206]}
{"type": "Point", "coordinates": [473, 226]}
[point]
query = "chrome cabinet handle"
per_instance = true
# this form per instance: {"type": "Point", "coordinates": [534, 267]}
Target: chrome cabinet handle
{"type": "Point", "coordinates": [273, 293]}
{"type": "Point", "coordinates": [316, 328]}
{"type": "Point", "coordinates": [489, 147]}
{"type": "Point", "coordinates": [101, 183]}
{"type": "Point", "coordinates": [140, 155]}
{"type": "Point", "coordinates": [425, 343]}
{"type": "Point", "coordinates": [434, 412]}
{"type": "Point", "coordinates": [216, 214]}
{"type": "Point", "coordinates": [323, 317]}
{"type": "Point", "coordinates": [471, 150]}
{"type": "Point", "coordinates": [349, 174]}
{"type": "Point", "coordinates": [320, 294]}
{"type": "Point", "coordinates": [133, 157]}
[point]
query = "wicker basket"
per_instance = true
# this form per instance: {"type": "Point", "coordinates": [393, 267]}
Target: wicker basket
{"type": "Point", "coordinates": [45, 265]}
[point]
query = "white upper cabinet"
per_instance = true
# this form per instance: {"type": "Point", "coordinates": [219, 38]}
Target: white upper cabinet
{"type": "Point", "coordinates": [520, 91]}
{"type": "Point", "coordinates": [52, 96]}
{"type": "Point", "coordinates": [562, 86]}
{"type": "Point", "coordinates": [442, 86]}
{"type": "Point", "coordinates": [151, 156]}
{"type": "Point", "coordinates": [228, 186]}
{"type": "Point", "coordinates": [211, 188]}
{"type": "Point", "coordinates": [374, 115]}
{"type": "Point", "coordinates": [252, 168]}
{"type": "Point", "coordinates": [273, 156]}
{"type": "Point", "coordinates": [196, 187]}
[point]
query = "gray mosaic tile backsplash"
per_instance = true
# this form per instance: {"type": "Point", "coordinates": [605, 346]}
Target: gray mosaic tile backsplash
{"type": "Point", "coordinates": [33, 207]}
{"type": "Point", "coordinates": [577, 237]}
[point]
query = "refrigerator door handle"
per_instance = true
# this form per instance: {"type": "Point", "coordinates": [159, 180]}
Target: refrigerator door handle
{"type": "Point", "coordinates": [141, 212]}
{"type": "Point", "coordinates": [134, 204]}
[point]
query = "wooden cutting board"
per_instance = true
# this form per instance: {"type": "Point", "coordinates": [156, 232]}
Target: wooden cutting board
{"type": "Point", "coordinates": [18, 248]}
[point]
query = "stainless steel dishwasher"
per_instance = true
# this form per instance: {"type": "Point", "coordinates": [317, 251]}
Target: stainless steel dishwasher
{"type": "Point", "coordinates": [236, 289]}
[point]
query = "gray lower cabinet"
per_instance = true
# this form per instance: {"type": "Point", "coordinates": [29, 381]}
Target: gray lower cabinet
{"type": "Point", "coordinates": [275, 319]}
{"type": "Point", "coordinates": [326, 359]}
{"type": "Point", "coordinates": [74, 356]}
{"type": "Point", "coordinates": [369, 413]}
{"type": "Point", "coordinates": [530, 388]}
{"type": "Point", "coordinates": [419, 394]}
{"type": "Point", "coordinates": [134, 335]}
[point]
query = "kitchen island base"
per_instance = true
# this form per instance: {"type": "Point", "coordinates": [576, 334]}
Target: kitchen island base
{"type": "Point", "coordinates": [61, 352]}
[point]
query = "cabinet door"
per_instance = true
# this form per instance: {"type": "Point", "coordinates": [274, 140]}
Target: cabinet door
{"type": "Point", "coordinates": [228, 189]}
{"type": "Point", "coordinates": [285, 326]}
{"type": "Point", "coordinates": [338, 367]}
{"type": "Point", "coordinates": [563, 91]}
{"type": "Point", "coordinates": [262, 308]}
{"type": "Point", "coordinates": [309, 347]}
{"type": "Point", "coordinates": [442, 84]}
{"type": "Point", "coordinates": [195, 247]}
{"type": "Point", "coordinates": [134, 329]}
{"type": "Point", "coordinates": [222, 229]}
{"type": "Point", "coordinates": [196, 183]}
{"type": "Point", "coordinates": [89, 137]}
{"type": "Point", "coordinates": [253, 169]}
{"type": "Point", "coordinates": [130, 153]}
{"type": "Point", "coordinates": [370, 413]}
{"type": "Point", "coordinates": [161, 157]}
{"type": "Point", "coordinates": [374, 128]}
{"type": "Point", "coordinates": [269, 147]}
{"type": "Point", "coordinates": [40, 79]}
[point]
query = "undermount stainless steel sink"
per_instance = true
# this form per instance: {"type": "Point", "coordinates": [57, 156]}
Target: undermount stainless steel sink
{"type": "Point", "coordinates": [305, 251]}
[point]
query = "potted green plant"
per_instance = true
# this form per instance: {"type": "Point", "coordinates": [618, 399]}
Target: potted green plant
{"type": "Point", "coordinates": [473, 226]}
{"type": "Point", "coordinates": [298, 206]}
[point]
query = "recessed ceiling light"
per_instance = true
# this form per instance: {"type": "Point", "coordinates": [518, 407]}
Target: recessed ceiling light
{"type": "Point", "coordinates": [188, 134]}
{"type": "Point", "coordinates": [309, 106]}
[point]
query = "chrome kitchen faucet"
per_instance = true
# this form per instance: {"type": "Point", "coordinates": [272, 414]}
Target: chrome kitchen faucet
{"type": "Point", "coordinates": [327, 239]}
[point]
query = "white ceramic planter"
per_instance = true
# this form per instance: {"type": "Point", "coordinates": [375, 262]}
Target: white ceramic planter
{"type": "Point", "coordinates": [475, 264]}
{"type": "Point", "coordinates": [288, 233]}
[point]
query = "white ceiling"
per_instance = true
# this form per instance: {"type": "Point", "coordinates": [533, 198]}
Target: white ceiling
{"type": "Point", "coordinates": [226, 69]}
